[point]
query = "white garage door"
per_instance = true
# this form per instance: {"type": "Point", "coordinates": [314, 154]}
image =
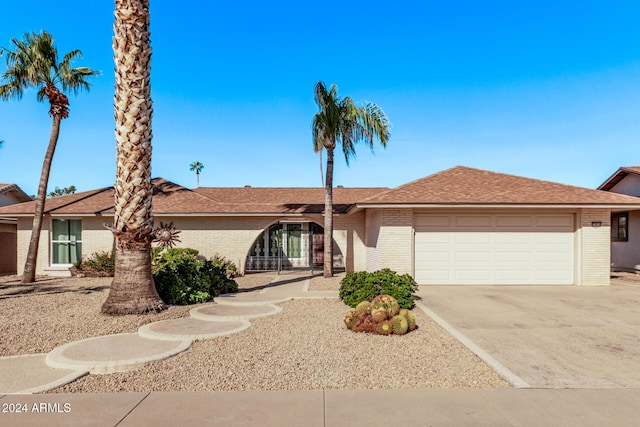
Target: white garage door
{"type": "Point", "coordinates": [466, 249]}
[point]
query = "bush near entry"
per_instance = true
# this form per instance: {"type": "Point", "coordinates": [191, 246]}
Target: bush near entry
{"type": "Point", "coordinates": [99, 264]}
{"type": "Point", "coordinates": [359, 286]}
{"type": "Point", "coordinates": [183, 277]}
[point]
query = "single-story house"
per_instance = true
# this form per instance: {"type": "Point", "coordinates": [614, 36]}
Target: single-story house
{"type": "Point", "coordinates": [625, 224]}
{"type": "Point", "coordinates": [458, 226]}
{"type": "Point", "coordinates": [9, 194]}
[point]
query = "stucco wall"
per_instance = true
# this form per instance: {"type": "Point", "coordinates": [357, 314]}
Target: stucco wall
{"type": "Point", "coordinates": [594, 247]}
{"type": "Point", "coordinates": [630, 185]}
{"type": "Point", "coordinates": [626, 255]}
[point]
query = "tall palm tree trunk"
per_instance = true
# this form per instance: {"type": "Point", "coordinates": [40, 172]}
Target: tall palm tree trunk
{"type": "Point", "coordinates": [29, 274]}
{"type": "Point", "coordinates": [328, 216]}
{"type": "Point", "coordinates": [133, 290]}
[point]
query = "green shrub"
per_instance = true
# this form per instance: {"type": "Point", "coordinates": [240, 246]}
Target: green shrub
{"type": "Point", "coordinates": [184, 277]}
{"type": "Point", "coordinates": [225, 264]}
{"type": "Point", "coordinates": [358, 286]}
{"type": "Point", "coordinates": [99, 264]}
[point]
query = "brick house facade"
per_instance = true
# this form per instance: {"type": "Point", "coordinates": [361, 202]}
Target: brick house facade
{"type": "Point", "coordinates": [459, 226]}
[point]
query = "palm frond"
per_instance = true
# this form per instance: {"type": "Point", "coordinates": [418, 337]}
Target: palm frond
{"type": "Point", "coordinates": [32, 62]}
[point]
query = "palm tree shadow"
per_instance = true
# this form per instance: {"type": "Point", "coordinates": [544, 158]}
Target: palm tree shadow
{"type": "Point", "coordinates": [44, 287]}
{"type": "Point", "coordinates": [281, 282]}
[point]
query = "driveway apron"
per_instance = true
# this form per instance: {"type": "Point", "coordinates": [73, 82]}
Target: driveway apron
{"type": "Point", "coordinates": [549, 336]}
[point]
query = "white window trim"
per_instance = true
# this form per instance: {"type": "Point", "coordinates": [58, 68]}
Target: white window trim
{"type": "Point", "coordinates": [52, 242]}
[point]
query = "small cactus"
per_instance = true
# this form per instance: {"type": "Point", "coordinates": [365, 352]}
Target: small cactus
{"type": "Point", "coordinates": [351, 319]}
{"type": "Point", "coordinates": [384, 328]}
{"type": "Point", "coordinates": [363, 307]}
{"type": "Point", "coordinates": [379, 315]}
{"type": "Point", "coordinates": [400, 325]}
{"type": "Point", "coordinates": [388, 303]}
{"type": "Point", "coordinates": [411, 319]}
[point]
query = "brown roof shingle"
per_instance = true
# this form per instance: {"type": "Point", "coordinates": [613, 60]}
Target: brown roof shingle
{"type": "Point", "coordinates": [283, 199]}
{"type": "Point", "coordinates": [456, 186]}
{"type": "Point", "coordinates": [171, 198]}
{"type": "Point", "coordinates": [462, 185]}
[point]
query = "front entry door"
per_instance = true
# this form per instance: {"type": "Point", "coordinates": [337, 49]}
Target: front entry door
{"type": "Point", "coordinates": [317, 244]}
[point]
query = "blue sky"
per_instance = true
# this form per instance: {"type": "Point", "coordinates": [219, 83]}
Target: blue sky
{"type": "Point", "coordinates": [544, 89]}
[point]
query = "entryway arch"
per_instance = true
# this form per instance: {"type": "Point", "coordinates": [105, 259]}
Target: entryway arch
{"type": "Point", "coordinates": [289, 244]}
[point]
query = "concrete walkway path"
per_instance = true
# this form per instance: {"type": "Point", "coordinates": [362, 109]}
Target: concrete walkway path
{"type": "Point", "coordinates": [228, 314]}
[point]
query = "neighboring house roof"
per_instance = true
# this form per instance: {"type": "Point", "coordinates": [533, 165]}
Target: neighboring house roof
{"type": "Point", "coordinates": [467, 186]}
{"type": "Point", "coordinates": [618, 176]}
{"type": "Point", "coordinates": [8, 189]}
{"type": "Point", "coordinates": [170, 198]}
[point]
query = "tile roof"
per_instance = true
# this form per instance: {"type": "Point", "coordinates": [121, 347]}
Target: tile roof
{"type": "Point", "coordinates": [618, 176]}
{"type": "Point", "coordinates": [462, 185]}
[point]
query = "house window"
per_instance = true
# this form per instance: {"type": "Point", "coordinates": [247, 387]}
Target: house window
{"type": "Point", "coordinates": [620, 227]}
{"type": "Point", "coordinates": [66, 241]}
{"type": "Point", "coordinates": [294, 237]}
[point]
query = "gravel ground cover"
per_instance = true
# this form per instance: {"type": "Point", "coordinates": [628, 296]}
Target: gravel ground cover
{"type": "Point", "coordinates": [306, 346]}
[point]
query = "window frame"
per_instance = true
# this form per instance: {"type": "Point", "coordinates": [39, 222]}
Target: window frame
{"type": "Point", "coordinates": [615, 227]}
{"type": "Point", "coordinates": [53, 241]}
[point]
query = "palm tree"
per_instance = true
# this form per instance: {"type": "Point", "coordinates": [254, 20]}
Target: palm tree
{"type": "Point", "coordinates": [133, 290]}
{"type": "Point", "coordinates": [196, 166]}
{"type": "Point", "coordinates": [33, 63]}
{"type": "Point", "coordinates": [57, 192]}
{"type": "Point", "coordinates": [341, 121]}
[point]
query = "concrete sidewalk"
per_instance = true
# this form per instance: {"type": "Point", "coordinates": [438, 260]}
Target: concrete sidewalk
{"type": "Point", "coordinates": [329, 408]}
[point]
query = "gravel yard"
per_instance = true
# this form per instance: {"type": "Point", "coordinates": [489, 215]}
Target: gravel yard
{"type": "Point", "coordinates": [306, 346]}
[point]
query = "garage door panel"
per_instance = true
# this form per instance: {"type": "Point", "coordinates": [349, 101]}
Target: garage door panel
{"type": "Point", "coordinates": [554, 257]}
{"type": "Point", "coordinates": [473, 221]}
{"type": "Point", "coordinates": [513, 256]}
{"type": "Point", "coordinates": [440, 221]}
{"type": "Point", "coordinates": [511, 276]}
{"type": "Point", "coordinates": [513, 221]}
{"type": "Point", "coordinates": [521, 238]}
{"type": "Point", "coordinates": [473, 256]}
{"type": "Point", "coordinates": [437, 276]}
{"type": "Point", "coordinates": [555, 221]}
{"type": "Point", "coordinates": [433, 238]}
{"type": "Point", "coordinates": [551, 277]}
{"type": "Point", "coordinates": [470, 276]}
{"type": "Point", "coordinates": [561, 238]}
{"type": "Point", "coordinates": [436, 257]}
{"type": "Point", "coordinates": [477, 238]}
{"type": "Point", "coordinates": [495, 249]}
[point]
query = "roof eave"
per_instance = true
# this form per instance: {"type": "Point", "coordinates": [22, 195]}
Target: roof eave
{"type": "Point", "coordinates": [500, 205]}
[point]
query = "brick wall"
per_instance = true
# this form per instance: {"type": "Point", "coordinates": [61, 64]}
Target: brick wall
{"type": "Point", "coordinates": [395, 240]}
{"type": "Point", "coordinates": [373, 221]}
{"type": "Point", "coordinates": [595, 247]}
{"type": "Point", "coordinates": [231, 237]}
{"type": "Point", "coordinates": [24, 234]}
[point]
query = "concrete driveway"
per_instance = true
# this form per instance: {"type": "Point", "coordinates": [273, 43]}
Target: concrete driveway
{"type": "Point", "coordinates": [549, 336]}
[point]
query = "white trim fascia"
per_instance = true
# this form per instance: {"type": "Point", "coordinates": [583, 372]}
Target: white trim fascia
{"type": "Point", "coordinates": [497, 206]}
{"type": "Point", "coordinates": [177, 214]}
